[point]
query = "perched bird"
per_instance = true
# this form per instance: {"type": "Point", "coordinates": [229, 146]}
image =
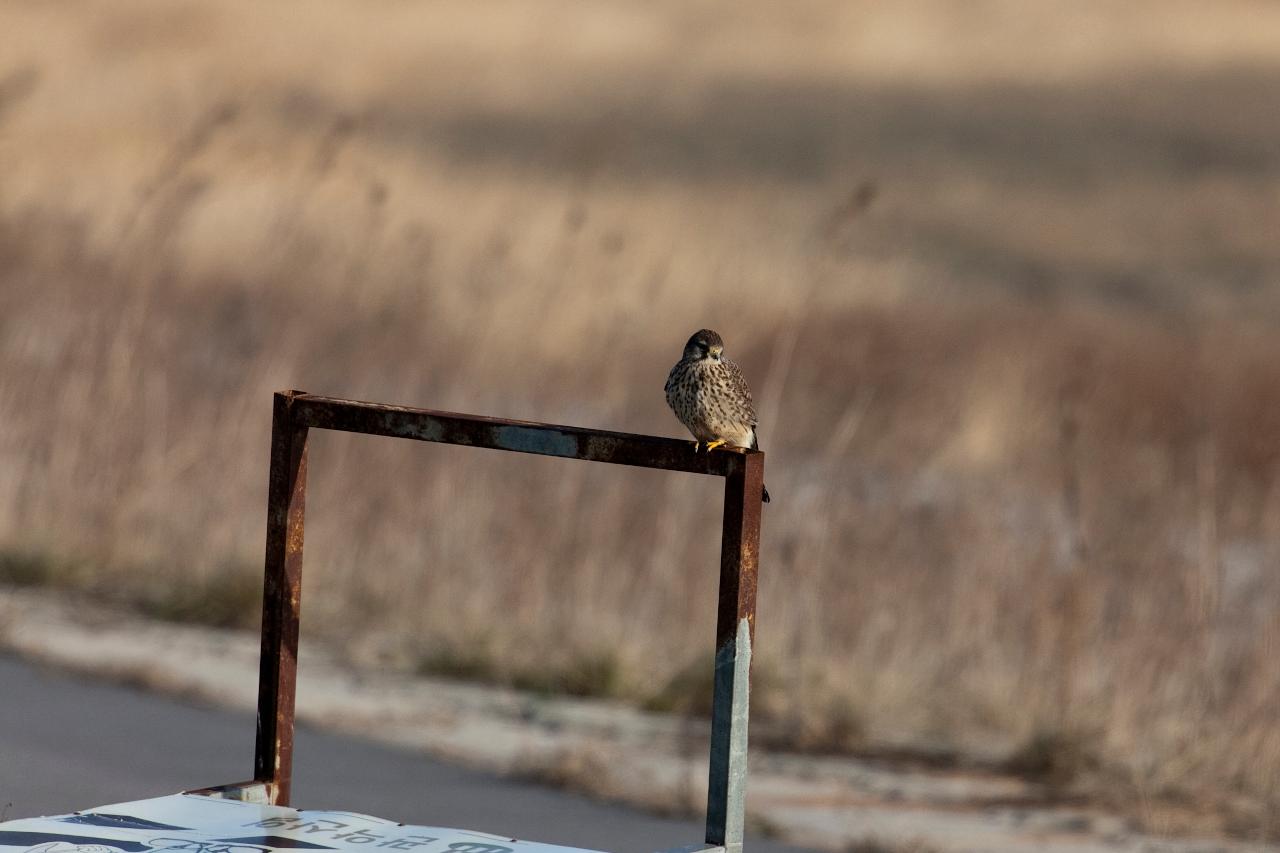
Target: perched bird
{"type": "Point", "coordinates": [707, 392]}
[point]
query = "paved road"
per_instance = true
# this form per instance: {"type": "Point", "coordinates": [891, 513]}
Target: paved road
{"type": "Point", "coordinates": [68, 744]}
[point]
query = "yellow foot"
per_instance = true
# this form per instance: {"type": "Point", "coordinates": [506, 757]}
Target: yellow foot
{"type": "Point", "coordinates": [712, 445]}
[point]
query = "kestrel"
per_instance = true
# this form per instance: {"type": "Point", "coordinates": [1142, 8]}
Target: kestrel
{"type": "Point", "coordinates": [707, 392]}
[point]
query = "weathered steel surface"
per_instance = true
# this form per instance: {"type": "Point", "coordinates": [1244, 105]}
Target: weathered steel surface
{"type": "Point", "coordinates": [296, 412]}
{"type": "Point", "coordinates": [281, 598]}
{"type": "Point", "coordinates": [735, 635]}
{"type": "Point", "coordinates": [593, 445]}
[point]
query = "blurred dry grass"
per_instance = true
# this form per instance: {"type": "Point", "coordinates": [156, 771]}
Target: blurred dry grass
{"type": "Point", "coordinates": [1004, 277]}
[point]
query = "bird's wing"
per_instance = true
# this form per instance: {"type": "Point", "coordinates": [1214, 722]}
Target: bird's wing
{"type": "Point", "coordinates": [671, 380]}
{"type": "Point", "coordinates": [743, 405]}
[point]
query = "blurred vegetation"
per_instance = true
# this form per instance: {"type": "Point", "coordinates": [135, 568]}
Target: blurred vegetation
{"type": "Point", "coordinates": [1004, 278]}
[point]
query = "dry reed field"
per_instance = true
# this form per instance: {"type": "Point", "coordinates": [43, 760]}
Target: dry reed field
{"type": "Point", "coordinates": [1005, 278]}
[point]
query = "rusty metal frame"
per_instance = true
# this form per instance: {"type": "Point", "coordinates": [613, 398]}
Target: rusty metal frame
{"type": "Point", "coordinates": [296, 412]}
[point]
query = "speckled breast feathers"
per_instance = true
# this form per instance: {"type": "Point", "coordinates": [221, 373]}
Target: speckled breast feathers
{"type": "Point", "coordinates": [711, 398]}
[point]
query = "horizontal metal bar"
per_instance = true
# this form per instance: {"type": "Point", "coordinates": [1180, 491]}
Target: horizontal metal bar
{"type": "Point", "coordinates": [619, 448]}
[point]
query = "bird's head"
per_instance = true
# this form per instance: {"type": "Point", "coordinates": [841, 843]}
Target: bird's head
{"type": "Point", "coordinates": [704, 344]}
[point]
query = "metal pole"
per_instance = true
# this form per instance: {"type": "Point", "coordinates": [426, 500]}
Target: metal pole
{"type": "Point", "coordinates": [735, 634]}
{"type": "Point", "coordinates": [278, 674]}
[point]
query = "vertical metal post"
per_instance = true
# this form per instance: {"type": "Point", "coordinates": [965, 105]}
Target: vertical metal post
{"type": "Point", "coordinates": [278, 673]}
{"type": "Point", "coordinates": [735, 634]}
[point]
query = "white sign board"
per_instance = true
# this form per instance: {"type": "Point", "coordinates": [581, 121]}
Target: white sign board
{"type": "Point", "coordinates": [190, 823]}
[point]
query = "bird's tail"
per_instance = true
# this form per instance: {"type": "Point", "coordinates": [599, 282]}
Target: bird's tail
{"type": "Point", "coordinates": [766, 493]}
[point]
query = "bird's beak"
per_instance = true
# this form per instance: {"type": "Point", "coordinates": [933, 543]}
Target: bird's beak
{"type": "Point", "coordinates": [715, 352]}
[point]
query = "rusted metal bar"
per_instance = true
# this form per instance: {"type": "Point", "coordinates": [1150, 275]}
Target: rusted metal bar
{"type": "Point", "coordinates": [296, 412]}
{"type": "Point", "coordinates": [735, 636]}
{"type": "Point", "coordinates": [281, 596]}
{"type": "Point", "coordinates": [594, 445]}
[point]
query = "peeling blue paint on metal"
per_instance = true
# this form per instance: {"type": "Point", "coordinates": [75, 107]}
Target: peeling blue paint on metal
{"type": "Point", "coordinates": [535, 441]}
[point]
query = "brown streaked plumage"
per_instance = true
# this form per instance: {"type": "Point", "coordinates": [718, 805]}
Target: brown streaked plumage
{"type": "Point", "coordinates": [709, 395]}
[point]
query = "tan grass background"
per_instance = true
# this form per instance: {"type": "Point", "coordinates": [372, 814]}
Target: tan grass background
{"type": "Point", "coordinates": [1004, 277]}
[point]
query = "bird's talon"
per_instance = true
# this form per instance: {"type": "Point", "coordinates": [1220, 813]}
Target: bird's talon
{"type": "Point", "coordinates": [712, 445]}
